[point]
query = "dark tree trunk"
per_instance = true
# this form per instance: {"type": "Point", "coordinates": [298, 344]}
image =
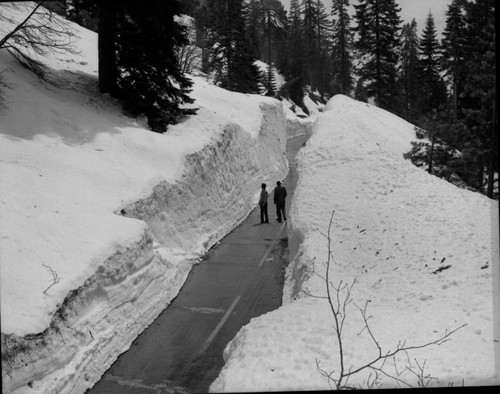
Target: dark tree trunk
{"type": "Point", "coordinates": [493, 145]}
{"type": "Point", "coordinates": [107, 48]}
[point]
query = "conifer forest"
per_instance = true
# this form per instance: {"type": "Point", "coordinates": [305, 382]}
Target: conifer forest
{"type": "Point", "coordinates": [443, 84]}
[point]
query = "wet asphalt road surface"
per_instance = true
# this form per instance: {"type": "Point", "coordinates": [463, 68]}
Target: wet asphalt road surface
{"type": "Point", "coordinates": [238, 279]}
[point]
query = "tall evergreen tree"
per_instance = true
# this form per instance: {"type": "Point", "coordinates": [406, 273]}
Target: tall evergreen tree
{"type": "Point", "coordinates": [265, 24]}
{"type": "Point", "coordinates": [342, 41]}
{"type": "Point", "coordinates": [378, 31]}
{"type": "Point", "coordinates": [294, 49]}
{"type": "Point", "coordinates": [149, 79]}
{"type": "Point", "coordinates": [409, 71]}
{"type": "Point", "coordinates": [322, 68]}
{"type": "Point", "coordinates": [274, 22]}
{"type": "Point", "coordinates": [270, 81]}
{"type": "Point", "coordinates": [433, 88]}
{"type": "Point", "coordinates": [83, 12]}
{"type": "Point", "coordinates": [143, 73]}
{"type": "Point", "coordinates": [107, 46]}
{"type": "Point", "coordinates": [479, 97]}
{"type": "Point", "coordinates": [231, 57]}
{"type": "Point", "coordinates": [453, 51]}
{"type": "Point", "coordinates": [201, 22]}
{"type": "Point", "coordinates": [315, 36]}
{"type": "Point", "coordinates": [255, 27]}
{"type": "Point", "coordinates": [189, 7]}
{"type": "Point", "coordinates": [309, 15]}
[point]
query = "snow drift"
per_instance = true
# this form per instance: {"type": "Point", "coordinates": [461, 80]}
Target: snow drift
{"type": "Point", "coordinates": [422, 254]}
{"type": "Point", "coordinates": [101, 218]}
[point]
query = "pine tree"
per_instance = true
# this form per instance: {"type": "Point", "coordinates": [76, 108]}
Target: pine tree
{"type": "Point", "coordinates": [378, 31]}
{"type": "Point", "coordinates": [143, 73]}
{"type": "Point", "coordinates": [315, 36]}
{"type": "Point", "coordinates": [433, 88]}
{"type": "Point", "coordinates": [83, 12]}
{"type": "Point", "coordinates": [342, 39]}
{"type": "Point", "coordinates": [255, 27]}
{"type": "Point", "coordinates": [294, 49]}
{"type": "Point", "coordinates": [453, 51]}
{"type": "Point", "coordinates": [107, 51]}
{"type": "Point", "coordinates": [201, 21]}
{"type": "Point", "coordinates": [322, 67]}
{"type": "Point", "coordinates": [189, 7]}
{"type": "Point", "coordinates": [270, 81]}
{"type": "Point", "coordinates": [149, 79]}
{"type": "Point", "coordinates": [265, 25]}
{"type": "Point", "coordinates": [479, 98]}
{"type": "Point", "coordinates": [231, 57]}
{"type": "Point", "coordinates": [409, 71]}
{"type": "Point", "coordinates": [310, 36]}
{"type": "Point", "coordinates": [274, 22]}
{"type": "Point", "coordinates": [437, 150]}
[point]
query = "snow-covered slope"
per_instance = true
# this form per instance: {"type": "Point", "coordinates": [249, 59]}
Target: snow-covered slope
{"type": "Point", "coordinates": [422, 252]}
{"type": "Point", "coordinates": [102, 219]}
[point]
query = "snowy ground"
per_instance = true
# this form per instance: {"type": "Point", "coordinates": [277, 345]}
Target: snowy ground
{"type": "Point", "coordinates": [422, 252]}
{"type": "Point", "coordinates": [101, 218]}
{"type": "Point", "coordinates": [120, 214]}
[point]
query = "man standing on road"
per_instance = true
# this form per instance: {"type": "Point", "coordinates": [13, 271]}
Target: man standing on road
{"type": "Point", "coordinates": [279, 200]}
{"type": "Point", "coordinates": [263, 204]}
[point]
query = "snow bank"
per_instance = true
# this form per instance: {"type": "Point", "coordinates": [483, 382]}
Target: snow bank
{"type": "Point", "coordinates": [117, 212]}
{"type": "Point", "coordinates": [420, 250]}
{"type": "Point", "coordinates": [295, 125]}
{"type": "Point", "coordinates": [313, 107]}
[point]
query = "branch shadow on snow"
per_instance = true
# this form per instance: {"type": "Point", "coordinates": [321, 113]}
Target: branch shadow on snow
{"type": "Point", "coordinates": [62, 104]}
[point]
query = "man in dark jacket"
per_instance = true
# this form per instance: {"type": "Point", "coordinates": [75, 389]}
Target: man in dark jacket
{"type": "Point", "coordinates": [279, 200]}
{"type": "Point", "coordinates": [263, 204]}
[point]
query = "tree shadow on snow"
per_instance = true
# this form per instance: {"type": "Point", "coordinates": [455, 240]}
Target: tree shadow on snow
{"type": "Point", "coordinates": [64, 104]}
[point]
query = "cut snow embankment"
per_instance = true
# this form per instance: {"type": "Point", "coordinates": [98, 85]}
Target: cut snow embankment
{"type": "Point", "coordinates": [117, 212]}
{"type": "Point", "coordinates": [421, 252]}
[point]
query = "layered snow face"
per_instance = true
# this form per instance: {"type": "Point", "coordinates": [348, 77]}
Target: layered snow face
{"type": "Point", "coordinates": [219, 188]}
{"type": "Point", "coordinates": [95, 323]}
{"type": "Point", "coordinates": [419, 253]}
{"type": "Point", "coordinates": [102, 219]}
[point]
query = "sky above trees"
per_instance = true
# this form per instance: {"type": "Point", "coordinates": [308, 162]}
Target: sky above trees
{"type": "Point", "coordinates": [410, 9]}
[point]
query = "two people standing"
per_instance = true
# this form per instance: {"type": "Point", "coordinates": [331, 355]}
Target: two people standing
{"type": "Point", "coordinates": [279, 200]}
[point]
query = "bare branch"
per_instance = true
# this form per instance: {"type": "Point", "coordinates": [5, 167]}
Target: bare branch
{"type": "Point", "coordinates": [55, 278]}
{"type": "Point", "coordinates": [338, 303]}
{"type": "Point", "coordinates": [312, 295]}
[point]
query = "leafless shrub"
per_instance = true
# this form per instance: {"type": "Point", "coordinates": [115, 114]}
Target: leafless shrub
{"type": "Point", "coordinates": [189, 56]}
{"type": "Point", "coordinates": [339, 298]}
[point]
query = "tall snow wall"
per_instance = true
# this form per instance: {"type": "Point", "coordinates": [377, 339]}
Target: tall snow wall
{"type": "Point", "coordinates": [349, 116]}
{"type": "Point", "coordinates": [220, 187]}
{"type": "Point", "coordinates": [99, 320]}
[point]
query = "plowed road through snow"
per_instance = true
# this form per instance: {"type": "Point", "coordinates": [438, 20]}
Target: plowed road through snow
{"type": "Point", "coordinates": [240, 278]}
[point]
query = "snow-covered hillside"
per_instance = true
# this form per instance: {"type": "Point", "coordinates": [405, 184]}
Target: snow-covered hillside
{"type": "Point", "coordinates": [422, 254]}
{"type": "Point", "coordinates": [101, 219]}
